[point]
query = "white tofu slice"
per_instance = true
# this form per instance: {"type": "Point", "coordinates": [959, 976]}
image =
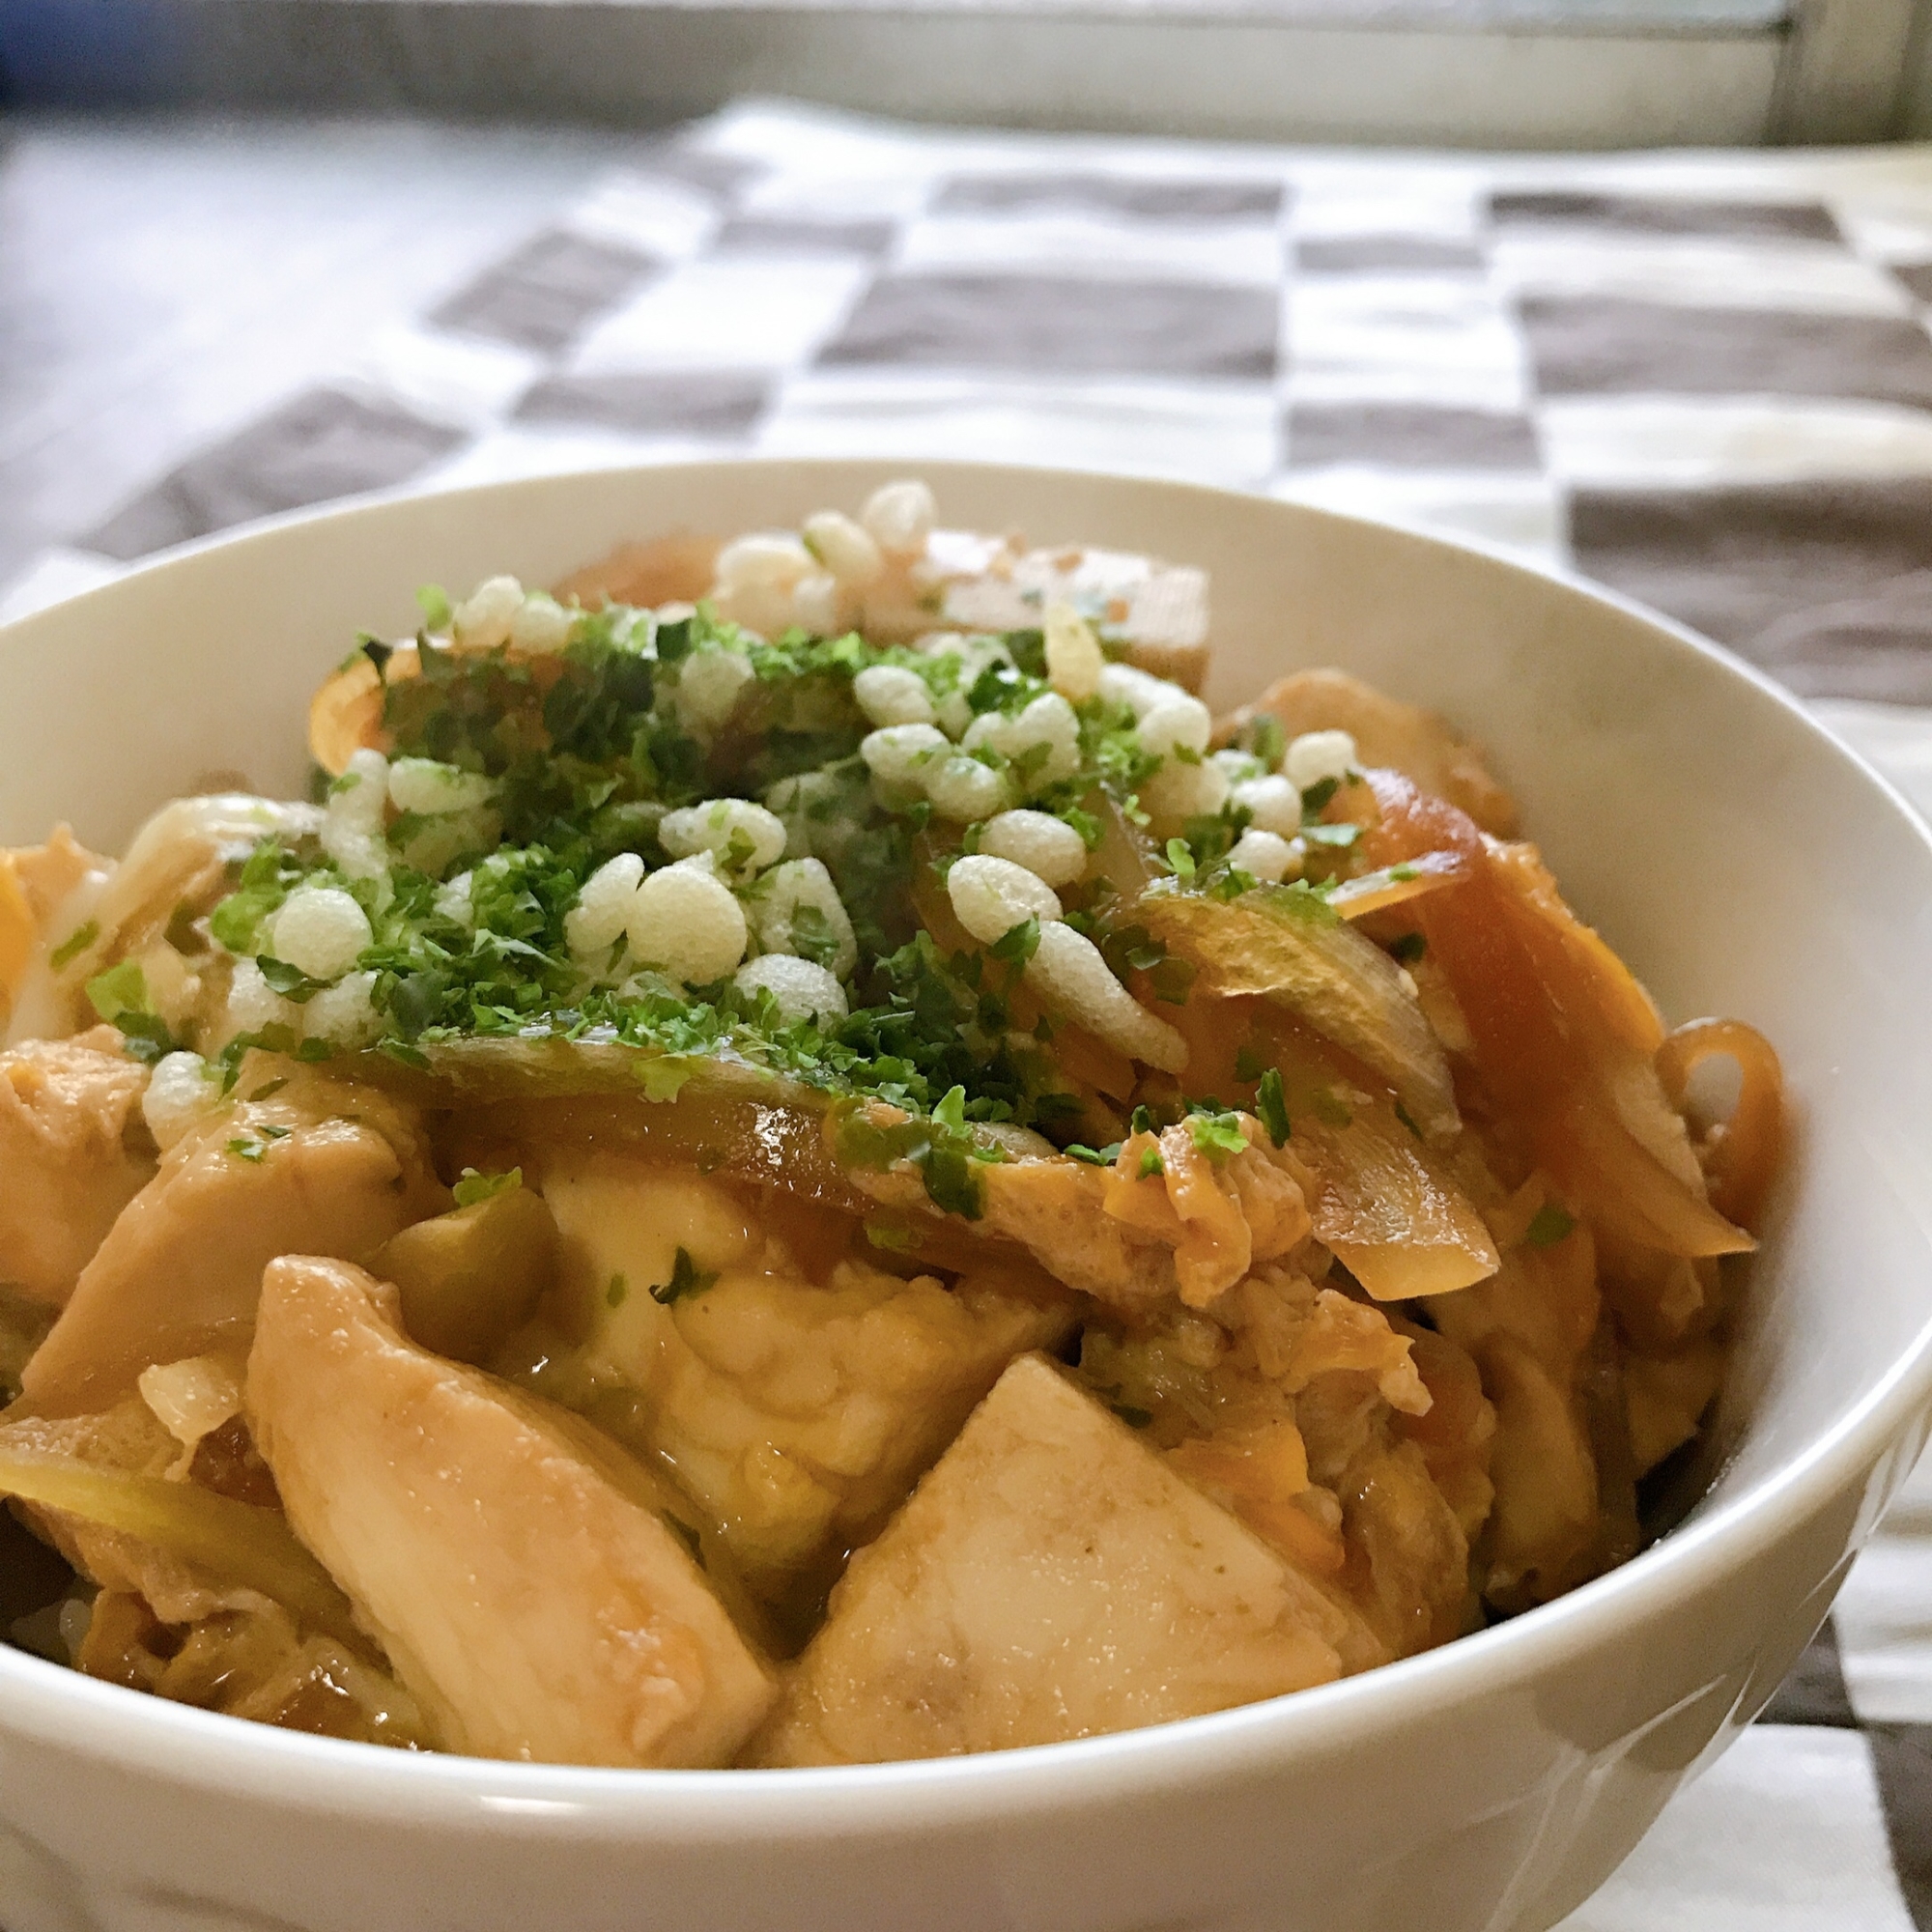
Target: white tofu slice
{"type": "Point", "coordinates": [1050, 1578]}
{"type": "Point", "coordinates": [509, 1561]}
{"type": "Point", "coordinates": [796, 1415]}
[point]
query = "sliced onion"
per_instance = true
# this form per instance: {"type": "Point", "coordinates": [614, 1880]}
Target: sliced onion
{"type": "Point", "coordinates": [1290, 948]}
{"type": "Point", "coordinates": [19, 932]}
{"type": "Point", "coordinates": [1396, 885]}
{"type": "Point", "coordinates": [236, 1542]}
{"type": "Point", "coordinates": [345, 716]}
{"type": "Point", "coordinates": [1561, 1032]}
{"type": "Point", "coordinates": [1744, 1161]}
{"type": "Point", "coordinates": [1395, 1219]}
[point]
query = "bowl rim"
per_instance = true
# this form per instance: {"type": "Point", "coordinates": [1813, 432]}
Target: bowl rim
{"type": "Point", "coordinates": [56, 1706]}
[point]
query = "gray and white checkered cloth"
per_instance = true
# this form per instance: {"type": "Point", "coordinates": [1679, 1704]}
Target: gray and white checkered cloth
{"type": "Point", "coordinates": [1706, 380]}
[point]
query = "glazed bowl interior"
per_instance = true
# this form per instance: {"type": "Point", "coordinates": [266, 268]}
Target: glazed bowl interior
{"type": "Point", "coordinates": [1742, 861]}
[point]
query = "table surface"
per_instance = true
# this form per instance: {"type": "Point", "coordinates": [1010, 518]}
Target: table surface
{"type": "Point", "coordinates": [1706, 379]}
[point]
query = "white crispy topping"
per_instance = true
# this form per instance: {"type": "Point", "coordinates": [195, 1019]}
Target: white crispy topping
{"type": "Point", "coordinates": [803, 992]}
{"type": "Point", "coordinates": [453, 900]}
{"type": "Point", "coordinates": [1272, 803]}
{"type": "Point", "coordinates": [541, 625]}
{"type": "Point", "coordinates": [319, 931]}
{"type": "Point", "coordinates": [1069, 971]}
{"type": "Point", "coordinates": [345, 1013]}
{"type": "Point", "coordinates": [971, 656]}
{"type": "Point", "coordinates": [423, 785]}
{"type": "Point", "coordinates": [962, 789]}
{"type": "Point", "coordinates": [1074, 659]}
{"type": "Point", "coordinates": [708, 685]}
{"type": "Point", "coordinates": [1315, 755]}
{"type": "Point", "coordinates": [1043, 740]}
{"type": "Point", "coordinates": [1177, 724]}
{"type": "Point", "coordinates": [806, 804]}
{"type": "Point", "coordinates": [1265, 855]}
{"type": "Point", "coordinates": [804, 887]}
{"type": "Point", "coordinates": [1046, 846]}
{"type": "Point", "coordinates": [898, 517]}
{"type": "Point", "coordinates": [354, 821]}
{"type": "Point", "coordinates": [766, 561]}
{"type": "Point", "coordinates": [891, 694]}
{"type": "Point", "coordinates": [685, 920]}
{"type": "Point", "coordinates": [744, 838]}
{"type": "Point", "coordinates": [1140, 690]}
{"type": "Point", "coordinates": [602, 913]}
{"type": "Point", "coordinates": [991, 896]}
{"type": "Point", "coordinates": [1241, 767]}
{"type": "Point", "coordinates": [482, 620]}
{"type": "Point", "coordinates": [181, 1089]}
{"type": "Point", "coordinates": [254, 1005]}
{"type": "Point", "coordinates": [898, 754]}
{"type": "Point", "coordinates": [847, 549]}
{"type": "Point", "coordinates": [816, 605]}
{"type": "Point", "coordinates": [1178, 792]}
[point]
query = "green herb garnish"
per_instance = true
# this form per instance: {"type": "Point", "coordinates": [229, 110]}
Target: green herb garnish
{"type": "Point", "coordinates": [472, 1189]}
{"type": "Point", "coordinates": [74, 944]}
{"type": "Point", "coordinates": [686, 1278]}
{"type": "Point", "coordinates": [1271, 1107]}
{"type": "Point", "coordinates": [1549, 1225]}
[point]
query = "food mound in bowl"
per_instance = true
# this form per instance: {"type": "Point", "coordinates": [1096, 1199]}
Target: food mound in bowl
{"type": "Point", "coordinates": [803, 1160]}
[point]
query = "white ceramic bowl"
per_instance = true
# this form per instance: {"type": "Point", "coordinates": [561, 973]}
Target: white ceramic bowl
{"type": "Point", "coordinates": [1744, 863]}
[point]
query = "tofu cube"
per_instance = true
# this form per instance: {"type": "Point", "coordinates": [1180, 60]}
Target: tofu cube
{"type": "Point", "coordinates": [1050, 1578]}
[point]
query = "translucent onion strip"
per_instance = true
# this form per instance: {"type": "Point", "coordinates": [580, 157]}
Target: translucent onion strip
{"type": "Point", "coordinates": [234, 1541]}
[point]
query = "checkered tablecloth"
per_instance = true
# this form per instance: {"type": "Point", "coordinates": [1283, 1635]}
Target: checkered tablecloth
{"type": "Point", "coordinates": [1706, 380]}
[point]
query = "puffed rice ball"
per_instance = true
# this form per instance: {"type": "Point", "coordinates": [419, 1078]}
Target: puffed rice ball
{"type": "Point", "coordinates": [847, 549]}
{"type": "Point", "coordinates": [254, 1005]}
{"type": "Point", "coordinates": [793, 888]}
{"type": "Point", "coordinates": [1048, 847]}
{"type": "Point", "coordinates": [898, 756]}
{"type": "Point", "coordinates": [1177, 724]}
{"type": "Point", "coordinates": [817, 604]}
{"type": "Point", "coordinates": [180, 1091]}
{"type": "Point", "coordinates": [602, 913]}
{"type": "Point", "coordinates": [708, 685]}
{"type": "Point", "coordinates": [541, 625]}
{"type": "Point", "coordinates": [1315, 755]}
{"type": "Point", "coordinates": [892, 695]}
{"type": "Point", "coordinates": [764, 560]}
{"type": "Point", "coordinates": [719, 824]}
{"type": "Point", "coordinates": [319, 931]}
{"type": "Point", "coordinates": [1043, 740]}
{"type": "Point", "coordinates": [423, 785]}
{"type": "Point", "coordinates": [968, 656]}
{"type": "Point", "coordinates": [453, 900]}
{"type": "Point", "coordinates": [1140, 690]}
{"type": "Point", "coordinates": [802, 990]}
{"type": "Point", "coordinates": [1272, 803]}
{"type": "Point", "coordinates": [991, 896]}
{"type": "Point", "coordinates": [1069, 969]}
{"type": "Point", "coordinates": [686, 919]}
{"type": "Point", "coordinates": [805, 886]}
{"type": "Point", "coordinates": [809, 807]}
{"type": "Point", "coordinates": [1074, 659]}
{"type": "Point", "coordinates": [482, 620]}
{"type": "Point", "coordinates": [962, 789]}
{"type": "Point", "coordinates": [1178, 792]}
{"type": "Point", "coordinates": [345, 1013]}
{"type": "Point", "coordinates": [354, 819]}
{"type": "Point", "coordinates": [899, 518]}
{"type": "Point", "coordinates": [1267, 856]}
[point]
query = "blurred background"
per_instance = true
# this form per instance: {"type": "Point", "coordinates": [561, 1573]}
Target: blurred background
{"type": "Point", "coordinates": [219, 219]}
